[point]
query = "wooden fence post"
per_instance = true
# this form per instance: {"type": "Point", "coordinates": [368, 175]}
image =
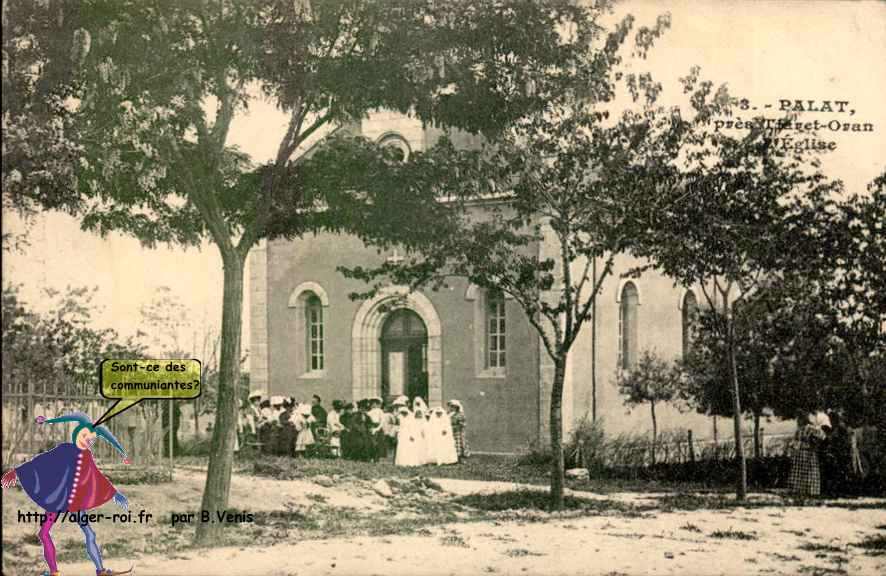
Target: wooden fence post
{"type": "Point", "coordinates": [762, 442]}
{"type": "Point", "coordinates": [29, 417]}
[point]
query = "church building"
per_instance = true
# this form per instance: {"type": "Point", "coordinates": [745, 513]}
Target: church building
{"type": "Point", "coordinates": [308, 337]}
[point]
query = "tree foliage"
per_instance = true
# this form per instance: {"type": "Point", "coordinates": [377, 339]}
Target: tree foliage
{"type": "Point", "coordinates": [58, 350]}
{"type": "Point", "coordinates": [146, 114]}
{"type": "Point", "coordinates": [652, 381]}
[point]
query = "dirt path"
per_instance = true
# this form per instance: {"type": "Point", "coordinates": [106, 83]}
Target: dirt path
{"type": "Point", "coordinates": [766, 540]}
{"type": "Point", "coordinates": [674, 543]}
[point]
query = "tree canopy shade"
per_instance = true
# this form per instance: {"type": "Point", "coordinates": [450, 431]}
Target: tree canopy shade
{"type": "Point", "coordinates": [140, 96]}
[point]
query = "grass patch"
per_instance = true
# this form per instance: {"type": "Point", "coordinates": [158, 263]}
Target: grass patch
{"type": "Point", "coordinates": [454, 540]}
{"type": "Point", "coordinates": [521, 553]}
{"type": "Point", "coordinates": [320, 498]}
{"type": "Point", "coordinates": [687, 500]}
{"type": "Point", "coordinates": [822, 571]}
{"type": "Point", "coordinates": [785, 557]}
{"type": "Point", "coordinates": [690, 527]}
{"type": "Point", "coordinates": [873, 545]}
{"type": "Point", "coordinates": [139, 475]}
{"type": "Point", "coordinates": [733, 535]}
{"type": "Point", "coordinates": [813, 547]}
{"type": "Point", "coordinates": [534, 500]}
{"type": "Point", "coordinates": [486, 467]}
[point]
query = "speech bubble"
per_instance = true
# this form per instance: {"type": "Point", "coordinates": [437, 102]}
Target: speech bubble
{"type": "Point", "coordinates": [130, 381]}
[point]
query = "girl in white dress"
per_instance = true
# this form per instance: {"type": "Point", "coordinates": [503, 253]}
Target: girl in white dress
{"type": "Point", "coordinates": [442, 443]}
{"type": "Point", "coordinates": [420, 423]}
{"type": "Point", "coordinates": [302, 419]}
{"type": "Point", "coordinates": [408, 440]}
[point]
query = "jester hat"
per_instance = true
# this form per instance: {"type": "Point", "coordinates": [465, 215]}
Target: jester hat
{"type": "Point", "coordinates": [84, 421]}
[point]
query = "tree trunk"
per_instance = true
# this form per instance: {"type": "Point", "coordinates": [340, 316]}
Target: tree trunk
{"type": "Point", "coordinates": [741, 489]}
{"type": "Point", "coordinates": [221, 454]}
{"type": "Point", "coordinates": [197, 417]}
{"type": "Point", "coordinates": [557, 463]}
{"type": "Point", "coordinates": [758, 445]}
{"type": "Point", "coordinates": [654, 431]}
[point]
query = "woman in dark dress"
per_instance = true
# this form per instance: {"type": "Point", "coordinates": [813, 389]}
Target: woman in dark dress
{"type": "Point", "coordinates": [347, 433]}
{"type": "Point", "coordinates": [839, 472]}
{"type": "Point", "coordinates": [264, 427]}
{"type": "Point", "coordinates": [361, 426]}
{"type": "Point", "coordinates": [805, 475]}
{"type": "Point", "coordinates": [286, 441]}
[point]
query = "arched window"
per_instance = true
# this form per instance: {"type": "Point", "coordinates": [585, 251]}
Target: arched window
{"type": "Point", "coordinates": [495, 330]}
{"type": "Point", "coordinates": [310, 307]}
{"type": "Point", "coordinates": [627, 326]}
{"type": "Point", "coordinates": [315, 333]}
{"type": "Point", "coordinates": [690, 313]}
{"type": "Point", "coordinates": [398, 143]}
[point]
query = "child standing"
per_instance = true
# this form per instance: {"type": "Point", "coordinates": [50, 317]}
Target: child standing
{"type": "Point", "coordinates": [302, 420]}
{"type": "Point", "coordinates": [335, 427]}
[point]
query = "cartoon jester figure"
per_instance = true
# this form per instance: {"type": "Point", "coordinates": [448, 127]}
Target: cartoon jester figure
{"type": "Point", "coordinates": [66, 479]}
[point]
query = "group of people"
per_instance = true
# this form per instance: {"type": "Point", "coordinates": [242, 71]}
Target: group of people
{"type": "Point", "coordinates": [430, 436]}
{"type": "Point", "coordinates": [370, 430]}
{"type": "Point", "coordinates": [279, 425]}
{"type": "Point", "coordinates": [825, 458]}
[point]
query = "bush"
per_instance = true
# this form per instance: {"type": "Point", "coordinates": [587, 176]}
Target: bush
{"type": "Point", "coordinates": [537, 455]}
{"type": "Point", "coordinates": [194, 446]}
{"type": "Point", "coordinates": [763, 473]}
{"type": "Point", "coordinates": [586, 446]}
{"type": "Point", "coordinates": [139, 475]}
{"type": "Point", "coordinates": [628, 456]}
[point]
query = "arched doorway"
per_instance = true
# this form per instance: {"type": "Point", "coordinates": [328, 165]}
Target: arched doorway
{"type": "Point", "coordinates": [366, 341]}
{"type": "Point", "coordinates": [404, 350]}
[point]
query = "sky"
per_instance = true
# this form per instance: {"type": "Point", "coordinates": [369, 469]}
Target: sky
{"type": "Point", "coordinates": [765, 52]}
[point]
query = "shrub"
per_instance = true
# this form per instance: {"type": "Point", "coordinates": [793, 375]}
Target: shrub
{"type": "Point", "coordinates": [537, 454]}
{"type": "Point", "coordinates": [139, 475]}
{"type": "Point", "coordinates": [586, 446]}
{"type": "Point", "coordinates": [628, 456]}
{"type": "Point", "coordinates": [194, 446]}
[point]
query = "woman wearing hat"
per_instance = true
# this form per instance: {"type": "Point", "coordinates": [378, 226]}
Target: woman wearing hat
{"type": "Point", "coordinates": [459, 426]}
{"type": "Point", "coordinates": [379, 447]}
{"type": "Point", "coordinates": [264, 426]}
{"type": "Point", "coordinates": [66, 479]}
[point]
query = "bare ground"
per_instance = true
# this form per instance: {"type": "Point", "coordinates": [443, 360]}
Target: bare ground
{"type": "Point", "coordinates": [469, 527]}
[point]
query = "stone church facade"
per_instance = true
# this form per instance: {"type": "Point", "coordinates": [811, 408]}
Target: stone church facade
{"type": "Point", "coordinates": [308, 337]}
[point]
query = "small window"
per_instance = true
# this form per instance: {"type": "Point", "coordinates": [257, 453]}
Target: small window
{"type": "Point", "coordinates": [495, 330]}
{"type": "Point", "coordinates": [315, 332]}
{"type": "Point", "coordinates": [627, 327]}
